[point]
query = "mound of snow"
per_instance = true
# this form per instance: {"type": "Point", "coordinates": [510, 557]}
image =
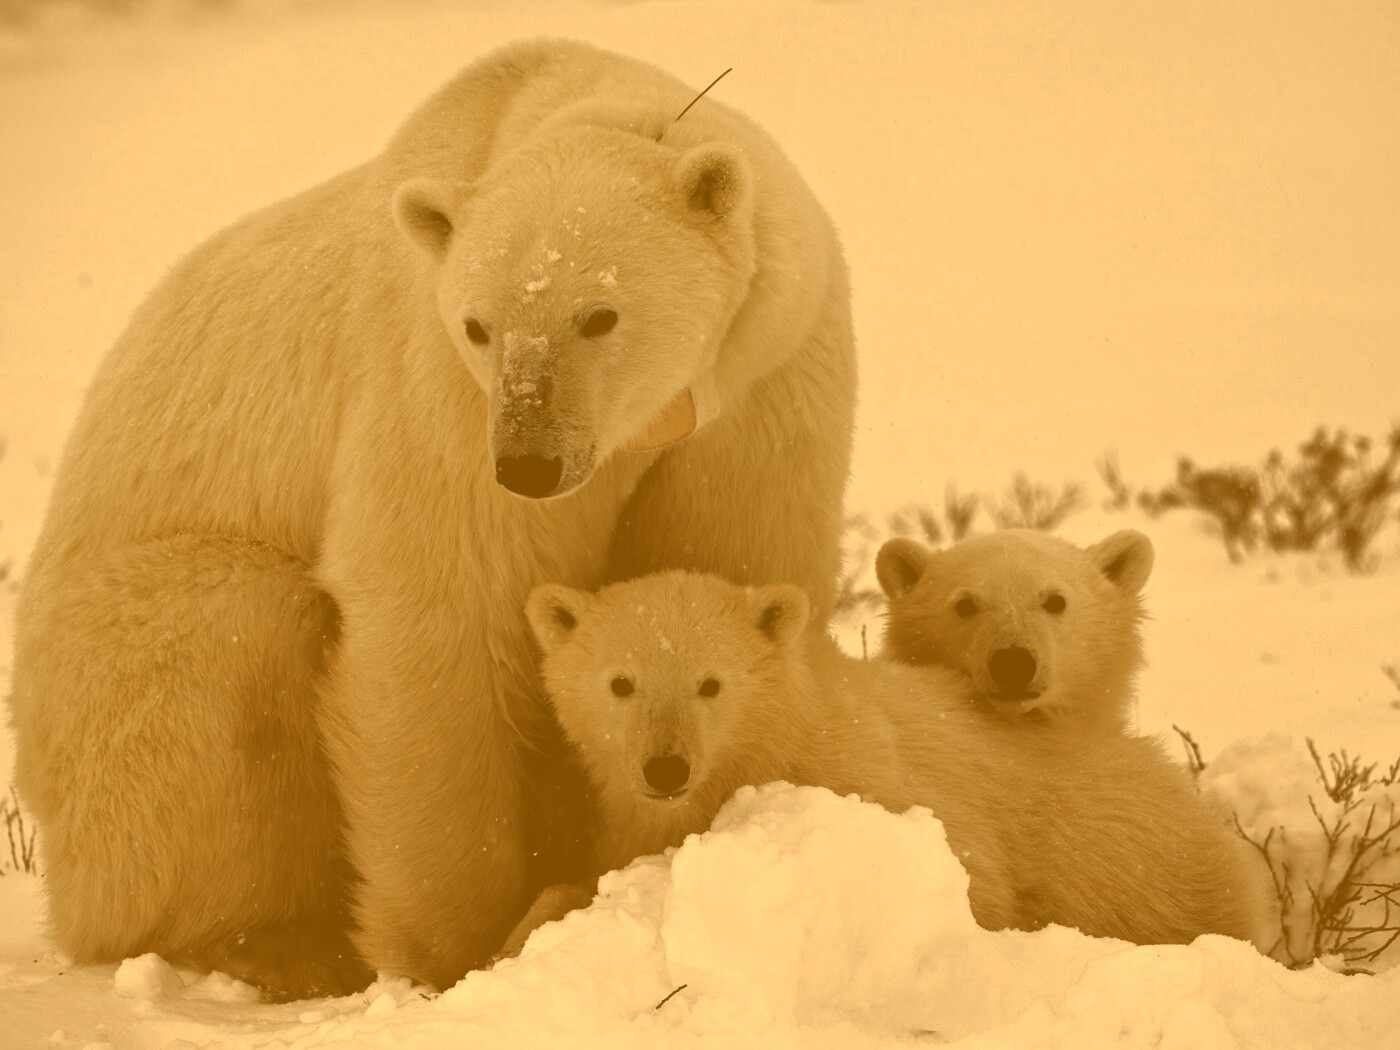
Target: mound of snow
{"type": "Point", "coordinates": [806, 919]}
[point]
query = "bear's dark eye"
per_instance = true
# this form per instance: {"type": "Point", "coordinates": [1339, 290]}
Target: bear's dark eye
{"type": "Point", "coordinates": [965, 607]}
{"type": "Point", "coordinates": [1054, 604]}
{"type": "Point", "coordinates": [709, 687]}
{"type": "Point", "coordinates": [622, 686]}
{"type": "Point", "coordinates": [476, 333]}
{"type": "Point", "coordinates": [598, 322]}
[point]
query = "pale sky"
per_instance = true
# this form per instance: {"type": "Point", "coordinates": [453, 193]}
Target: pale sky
{"type": "Point", "coordinates": [1167, 228]}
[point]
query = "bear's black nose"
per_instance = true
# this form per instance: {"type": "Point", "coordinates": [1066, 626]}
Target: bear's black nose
{"type": "Point", "coordinates": [667, 774]}
{"type": "Point", "coordinates": [532, 476]}
{"type": "Point", "coordinates": [1012, 669]}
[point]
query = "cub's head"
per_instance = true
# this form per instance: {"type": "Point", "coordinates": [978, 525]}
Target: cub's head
{"type": "Point", "coordinates": [665, 683]}
{"type": "Point", "coordinates": [586, 280]}
{"type": "Point", "coordinates": [1038, 624]}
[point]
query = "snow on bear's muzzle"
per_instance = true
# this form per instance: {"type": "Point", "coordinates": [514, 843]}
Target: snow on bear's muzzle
{"type": "Point", "coordinates": [538, 443]}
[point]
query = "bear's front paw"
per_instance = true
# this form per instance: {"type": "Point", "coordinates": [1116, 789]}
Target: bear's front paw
{"type": "Point", "coordinates": [290, 962]}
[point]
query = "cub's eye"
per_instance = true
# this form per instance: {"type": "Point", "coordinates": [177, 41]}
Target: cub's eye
{"type": "Point", "coordinates": [965, 607]}
{"type": "Point", "coordinates": [621, 686]}
{"type": "Point", "coordinates": [1054, 604]}
{"type": "Point", "coordinates": [476, 333]}
{"type": "Point", "coordinates": [709, 687]}
{"type": "Point", "coordinates": [598, 322]}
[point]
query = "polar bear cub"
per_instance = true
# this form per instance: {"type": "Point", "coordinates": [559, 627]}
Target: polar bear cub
{"type": "Point", "coordinates": [1045, 630]}
{"type": "Point", "coordinates": [677, 689]}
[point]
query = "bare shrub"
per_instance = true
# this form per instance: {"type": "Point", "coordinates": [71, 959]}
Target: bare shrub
{"type": "Point", "coordinates": [1230, 495]}
{"type": "Point", "coordinates": [1337, 885]}
{"type": "Point", "coordinates": [959, 511]}
{"type": "Point", "coordinates": [918, 522]}
{"type": "Point", "coordinates": [1337, 490]}
{"type": "Point", "coordinates": [1120, 496]}
{"type": "Point", "coordinates": [1194, 762]}
{"type": "Point", "coordinates": [1337, 494]}
{"type": "Point", "coordinates": [22, 838]}
{"type": "Point", "coordinates": [1031, 505]}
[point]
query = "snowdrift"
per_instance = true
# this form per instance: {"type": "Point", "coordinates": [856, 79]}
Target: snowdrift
{"type": "Point", "coordinates": [800, 919]}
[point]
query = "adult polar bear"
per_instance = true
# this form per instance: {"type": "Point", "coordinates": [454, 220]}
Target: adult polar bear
{"type": "Point", "coordinates": [278, 533]}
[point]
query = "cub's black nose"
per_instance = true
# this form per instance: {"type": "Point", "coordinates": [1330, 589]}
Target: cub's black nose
{"type": "Point", "coordinates": [667, 774]}
{"type": "Point", "coordinates": [532, 476]}
{"type": "Point", "coordinates": [1012, 669]}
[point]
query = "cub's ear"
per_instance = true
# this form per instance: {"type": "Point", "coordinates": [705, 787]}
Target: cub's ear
{"type": "Point", "coordinates": [780, 612]}
{"type": "Point", "coordinates": [554, 611]}
{"type": "Point", "coordinates": [714, 179]}
{"type": "Point", "coordinates": [423, 211]}
{"type": "Point", "coordinates": [1125, 558]}
{"type": "Point", "coordinates": [901, 564]}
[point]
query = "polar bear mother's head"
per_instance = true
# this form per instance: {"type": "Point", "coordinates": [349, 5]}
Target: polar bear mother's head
{"type": "Point", "coordinates": [586, 280]}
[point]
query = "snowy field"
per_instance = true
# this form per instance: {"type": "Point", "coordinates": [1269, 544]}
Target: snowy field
{"type": "Point", "coordinates": [1162, 229]}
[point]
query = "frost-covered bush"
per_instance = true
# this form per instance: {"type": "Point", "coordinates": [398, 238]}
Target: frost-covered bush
{"type": "Point", "coordinates": [1329, 831]}
{"type": "Point", "coordinates": [1337, 494]}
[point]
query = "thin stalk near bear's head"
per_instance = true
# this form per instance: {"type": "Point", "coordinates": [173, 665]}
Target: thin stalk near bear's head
{"type": "Point", "coordinates": [705, 91]}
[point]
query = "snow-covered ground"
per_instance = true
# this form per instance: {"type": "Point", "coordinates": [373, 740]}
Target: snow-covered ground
{"type": "Point", "coordinates": [1163, 229]}
{"type": "Point", "coordinates": [801, 920]}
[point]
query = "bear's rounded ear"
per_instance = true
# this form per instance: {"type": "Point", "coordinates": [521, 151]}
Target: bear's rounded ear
{"type": "Point", "coordinates": [554, 611]}
{"type": "Point", "coordinates": [1125, 558]}
{"type": "Point", "coordinates": [901, 564]}
{"type": "Point", "coordinates": [779, 611]}
{"type": "Point", "coordinates": [714, 179]}
{"type": "Point", "coordinates": [423, 211]}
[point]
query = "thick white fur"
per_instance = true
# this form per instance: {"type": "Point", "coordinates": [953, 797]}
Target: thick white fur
{"type": "Point", "coordinates": [1104, 833]}
{"type": "Point", "coordinates": [1087, 653]}
{"type": "Point", "coordinates": [276, 539]}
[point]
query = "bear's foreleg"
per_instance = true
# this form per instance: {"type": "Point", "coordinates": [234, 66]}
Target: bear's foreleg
{"type": "Point", "coordinates": [431, 781]}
